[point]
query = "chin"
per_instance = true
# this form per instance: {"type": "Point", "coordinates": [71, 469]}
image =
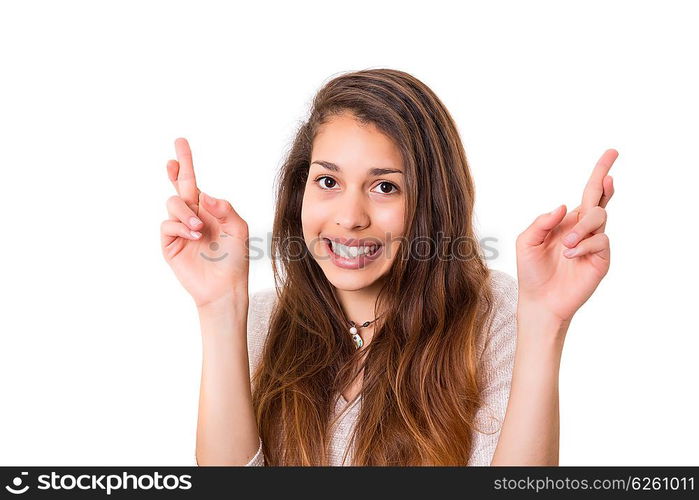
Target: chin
{"type": "Point", "coordinates": [345, 280]}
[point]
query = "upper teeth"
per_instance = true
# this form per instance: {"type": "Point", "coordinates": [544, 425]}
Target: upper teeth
{"type": "Point", "coordinates": [350, 252]}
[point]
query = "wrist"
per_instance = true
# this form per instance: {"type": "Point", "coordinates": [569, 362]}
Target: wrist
{"type": "Point", "coordinates": [536, 322]}
{"type": "Point", "coordinates": [234, 302]}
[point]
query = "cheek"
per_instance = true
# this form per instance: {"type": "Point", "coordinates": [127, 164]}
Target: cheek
{"type": "Point", "coordinates": [390, 219]}
{"type": "Point", "coordinates": [311, 216]}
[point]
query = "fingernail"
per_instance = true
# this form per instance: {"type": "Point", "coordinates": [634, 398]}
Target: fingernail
{"type": "Point", "coordinates": [554, 210]}
{"type": "Point", "coordinates": [208, 199]}
{"type": "Point", "coordinates": [570, 252]}
{"type": "Point", "coordinates": [196, 234]}
{"type": "Point", "coordinates": [194, 221]}
{"type": "Point", "coordinates": [570, 239]}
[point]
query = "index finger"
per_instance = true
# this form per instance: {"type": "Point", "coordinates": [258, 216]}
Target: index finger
{"type": "Point", "coordinates": [186, 180]}
{"type": "Point", "coordinates": [594, 189]}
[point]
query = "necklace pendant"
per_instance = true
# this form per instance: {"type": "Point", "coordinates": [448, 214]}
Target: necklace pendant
{"type": "Point", "coordinates": [358, 342]}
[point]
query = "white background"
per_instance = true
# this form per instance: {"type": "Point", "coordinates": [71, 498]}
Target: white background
{"type": "Point", "coordinates": [100, 352]}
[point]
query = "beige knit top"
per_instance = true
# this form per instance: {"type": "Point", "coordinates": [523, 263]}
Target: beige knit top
{"type": "Point", "coordinates": [496, 360]}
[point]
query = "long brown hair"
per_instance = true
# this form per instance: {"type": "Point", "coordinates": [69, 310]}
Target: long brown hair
{"type": "Point", "coordinates": [420, 388]}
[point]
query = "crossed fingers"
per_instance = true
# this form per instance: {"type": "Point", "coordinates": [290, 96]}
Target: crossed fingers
{"type": "Point", "coordinates": [591, 214]}
{"type": "Point", "coordinates": [181, 174]}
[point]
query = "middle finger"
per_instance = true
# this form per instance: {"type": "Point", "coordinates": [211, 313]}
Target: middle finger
{"type": "Point", "coordinates": [173, 169]}
{"type": "Point", "coordinates": [608, 191]}
{"type": "Point", "coordinates": [593, 222]}
{"type": "Point", "coordinates": [177, 209]}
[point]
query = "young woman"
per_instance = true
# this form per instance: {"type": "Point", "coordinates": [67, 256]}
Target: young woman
{"type": "Point", "coordinates": [386, 340]}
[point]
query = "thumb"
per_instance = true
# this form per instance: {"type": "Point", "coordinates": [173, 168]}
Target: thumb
{"type": "Point", "coordinates": [536, 233]}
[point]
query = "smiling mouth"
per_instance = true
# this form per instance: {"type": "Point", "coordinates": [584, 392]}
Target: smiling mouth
{"type": "Point", "coordinates": [214, 259]}
{"type": "Point", "coordinates": [343, 251]}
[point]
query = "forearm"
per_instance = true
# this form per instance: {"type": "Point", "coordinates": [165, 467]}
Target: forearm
{"type": "Point", "coordinates": [530, 431]}
{"type": "Point", "coordinates": [226, 427]}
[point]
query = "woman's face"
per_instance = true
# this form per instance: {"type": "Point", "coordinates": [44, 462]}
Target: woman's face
{"type": "Point", "coordinates": [355, 194]}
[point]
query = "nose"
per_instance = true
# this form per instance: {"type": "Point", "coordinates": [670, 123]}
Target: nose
{"type": "Point", "coordinates": [351, 213]}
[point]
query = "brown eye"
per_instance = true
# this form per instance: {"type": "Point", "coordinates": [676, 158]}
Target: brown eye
{"type": "Point", "coordinates": [386, 187]}
{"type": "Point", "coordinates": [328, 182]}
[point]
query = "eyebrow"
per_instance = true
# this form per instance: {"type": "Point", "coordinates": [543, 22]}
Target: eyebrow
{"type": "Point", "coordinates": [372, 171]}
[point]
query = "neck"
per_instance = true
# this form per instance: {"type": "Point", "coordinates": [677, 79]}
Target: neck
{"type": "Point", "coordinates": [358, 305]}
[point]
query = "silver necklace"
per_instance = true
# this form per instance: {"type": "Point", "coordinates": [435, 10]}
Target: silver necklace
{"type": "Point", "coordinates": [354, 332]}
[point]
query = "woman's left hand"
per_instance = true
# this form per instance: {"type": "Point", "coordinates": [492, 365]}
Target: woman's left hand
{"type": "Point", "coordinates": [552, 281]}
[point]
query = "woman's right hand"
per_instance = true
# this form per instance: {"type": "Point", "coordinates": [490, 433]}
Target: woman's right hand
{"type": "Point", "coordinates": [214, 264]}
